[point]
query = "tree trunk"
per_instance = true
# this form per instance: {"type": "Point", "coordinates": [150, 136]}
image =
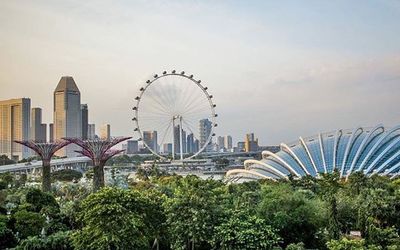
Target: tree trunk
{"type": "Point", "coordinates": [46, 176]}
{"type": "Point", "coordinates": [98, 177]}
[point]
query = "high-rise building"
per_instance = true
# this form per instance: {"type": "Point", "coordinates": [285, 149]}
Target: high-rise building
{"type": "Point", "coordinates": [67, 114]}
{"type": "Point", "coordinates": [51, 132]}
{"type": "Point", "coordinates": [177, 140]}
{"type": "Point", "coordinates": [91, 131]}
{"type": "Point", "coordinates": [205, 131]}
{"type": "Point", "coordinates": [38, 129]}
{"type": "Point", "coordinates": [190, 143]}
{"type": "Point", "coordinates": [241, 146]}
{"type": "Point", "coordinates": [105, 131]}
{"type": "Point", "coordinates": [251, 144]}
{"type": "Point", "coordinates": [167, 148]}
{"type": "Point", "coordinates": [14, 125]}
{"type": "Point", "coordinates": [220, 143]}
{"type": "Point", "coordinates": [228, 142]}
{"type": "Point", "coordinates": [85, 120]}
{"type": "Point", "coordinates": [132, 147]}
{"type": "Point", "coordinates": [196, 146]}
{"type": "Point", "coordinates": [150, 138]}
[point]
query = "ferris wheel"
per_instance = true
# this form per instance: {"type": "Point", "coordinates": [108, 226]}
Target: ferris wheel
{"type": "Point", "coordinates": [175, 116]}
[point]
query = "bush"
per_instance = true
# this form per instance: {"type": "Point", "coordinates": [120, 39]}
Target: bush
{"type": "Point", "coordinates": [57, 241]}
{"type": "Point", "coordinates": [28, 223]}
{"type": "Point", "coordinates": [66, 175]}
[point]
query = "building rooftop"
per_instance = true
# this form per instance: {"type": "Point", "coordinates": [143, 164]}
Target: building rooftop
{"type": "Point", "coordinates": [66, 83]}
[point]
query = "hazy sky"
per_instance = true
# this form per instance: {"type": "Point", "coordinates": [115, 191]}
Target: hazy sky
{"type": "Point", "coordinates": [280, 69]}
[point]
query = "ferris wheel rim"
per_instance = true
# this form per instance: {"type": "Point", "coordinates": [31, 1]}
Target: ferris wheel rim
{"type": "Point", "coordinates": [202, 88]}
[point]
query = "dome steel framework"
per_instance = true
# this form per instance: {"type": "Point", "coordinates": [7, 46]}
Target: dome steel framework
{"type": "Point", "coordinates": [370, 150]}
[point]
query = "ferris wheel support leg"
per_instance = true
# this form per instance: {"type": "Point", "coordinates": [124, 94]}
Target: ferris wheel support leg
{"type": "Point", "coordinates": [173, 139]}
{"type": "Point", "coordinates": [180, 137]}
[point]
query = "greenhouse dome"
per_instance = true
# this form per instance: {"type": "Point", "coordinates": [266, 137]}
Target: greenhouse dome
{"type": "Point", "coordinates": [370, 150]}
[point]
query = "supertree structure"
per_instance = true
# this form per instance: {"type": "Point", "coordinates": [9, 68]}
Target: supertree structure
{"type": "Point", "coordinates": [45, 150]}
{"type": "Point", "coordinates": [99, 151]}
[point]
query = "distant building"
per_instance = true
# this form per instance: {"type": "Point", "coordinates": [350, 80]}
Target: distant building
{"type": "Point", "coordinates": [132, 147]}
{"type": "Point", "coordinates": [167, 148]}
{"type": "Point", "coordinates": [241, 146]}
{"type": "Point", "coordinates": [251, 144]}
{"type": "Point", "coordinates": [190, 143]}
{"type": "Point", "coordinates": [150, 138]}
{"type": "Point", "coordinates": [38, 129]}
{"type": "Point", "coordinates": [196, 146]}
{"type": "Point", "coordinates": [228, 142]}
{"type": "Point", "coordinates": [14, 125]}
{"type": "Point", "coordinates": [67, 114]}
{"type": "Point", "coordinates": [105, 132]}
{"type": "Point", "coordinates": [177, 140]}
{"type": "Point", "coordinates": [91, 131]}
{"type": "Point", "coordinates": [85, 121]}
{"type": "Point", "coordinates": [51, 132]}
{"type": "Point", "coordinates": [205, 127]}
{"type": "Point", "coordinates": [220, 144]}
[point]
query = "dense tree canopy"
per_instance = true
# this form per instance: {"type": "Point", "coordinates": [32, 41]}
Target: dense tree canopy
{"type": "Point", "coordinates": [165, 211]}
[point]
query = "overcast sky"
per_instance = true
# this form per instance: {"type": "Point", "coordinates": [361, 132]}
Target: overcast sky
{"type": "Point", "coordinates": [280, 69]}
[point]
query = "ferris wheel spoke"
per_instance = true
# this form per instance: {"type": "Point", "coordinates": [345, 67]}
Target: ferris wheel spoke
{"type": "Point", "coordinates": [166, 100]}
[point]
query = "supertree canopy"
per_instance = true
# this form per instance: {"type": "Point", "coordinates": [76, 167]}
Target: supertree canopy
{"type": "Point", "coordinates": [99, 151]}
{"type": "Point", "coordinates": [45, 150]}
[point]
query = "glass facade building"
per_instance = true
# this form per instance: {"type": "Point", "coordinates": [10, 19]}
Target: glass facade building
{"type": "Point", "coordinates": [370, 150]}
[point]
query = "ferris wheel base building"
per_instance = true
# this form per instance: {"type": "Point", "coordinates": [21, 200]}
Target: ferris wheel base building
{"type": "Point", "coordinates": [369, 150]}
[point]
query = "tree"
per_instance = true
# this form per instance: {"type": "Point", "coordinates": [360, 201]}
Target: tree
{"type": "Point", "coordinates": [57, 241]}
{"type": "Point", "coordinates": [111, 220]}
{"type": "Point", "coordinates": [28, 223]}
{"type": "Point", "coordinates": [66, 175]}
{"type": "Point", "coordinates": [329, 187]}
{"type": "Point", "coordinates": [298, 215]}
{"type": "Point", "coordinates": [193, 213]}
{"type": "Point", "coordinates": [243, 230]}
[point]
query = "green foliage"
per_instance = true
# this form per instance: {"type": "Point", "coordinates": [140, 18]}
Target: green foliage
{"type": "Point", "coordinates": [28, 223]}
{"type": "Point", "coordinates": [297, 246]}
{"type": "Point", "coordinates": [112, 220]}
{"type": "Point", "coordinates": [193, 212]}
{"type": "Point", "coordinates": [346, 244]}
{"type": "Point", "coordinates": [244, 231]}
{"type": "Point", "coordinates": [57, 241]}
{"type": "Point", "coordinates": [66, 175]}
{"type": "Point", "coordinates": [7, 238]}
{"type": "Point", "coordinates": [297, 214]}
{"type": "Point", "coordinates": [4, 160]}
{"type": "Point", "coordinates": [39, 200]}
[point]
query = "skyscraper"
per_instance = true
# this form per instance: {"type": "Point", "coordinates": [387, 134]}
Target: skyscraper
{"type": "Point", "coordinates": [14, 125]}
{"type": "Point", "coordinates": [228, 142]}
{"type": "Point", "coordinates": [150, 138]}
{"type": "Point", "coordinates": [250, 143]}
{"type": "Point", "coordinates": [38, 129]}
{"type": "Point", "coordinates": [105, 131]}
{"type": "Point", "coordinates": [220, 143]}
{"type": "Point", "coordinates": [67, 114]}
{"type": "Point", "coordinates": [85, 120]}
{"type": "Point", "coordinates": [91, 131]}
{"type": "Point", "coordinates": [190, 143]}
{"type": "Point", "coordinates": [205, 131]}
{"type": "Point", "coordinates": [51, 132]}
{"type": "Point", "coordinates": [132, 147]}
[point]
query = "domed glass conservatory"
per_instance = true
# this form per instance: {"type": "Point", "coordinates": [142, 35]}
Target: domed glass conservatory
{"type": "Point", "coordinates": [370, 150]}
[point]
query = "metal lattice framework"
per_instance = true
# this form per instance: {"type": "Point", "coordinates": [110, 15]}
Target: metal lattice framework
{"type": "Point", "coordinates": [372, 151]}
{"type": "Point", "coordinates": [45, 150]}
{"type": "Point", "coordinates": [98, 150]}
{"type": "Point", "coordinates": [174, 100]}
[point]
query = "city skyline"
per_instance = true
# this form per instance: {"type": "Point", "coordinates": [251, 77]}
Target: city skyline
{"type": "Point", "coordinates": [297, 69]}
